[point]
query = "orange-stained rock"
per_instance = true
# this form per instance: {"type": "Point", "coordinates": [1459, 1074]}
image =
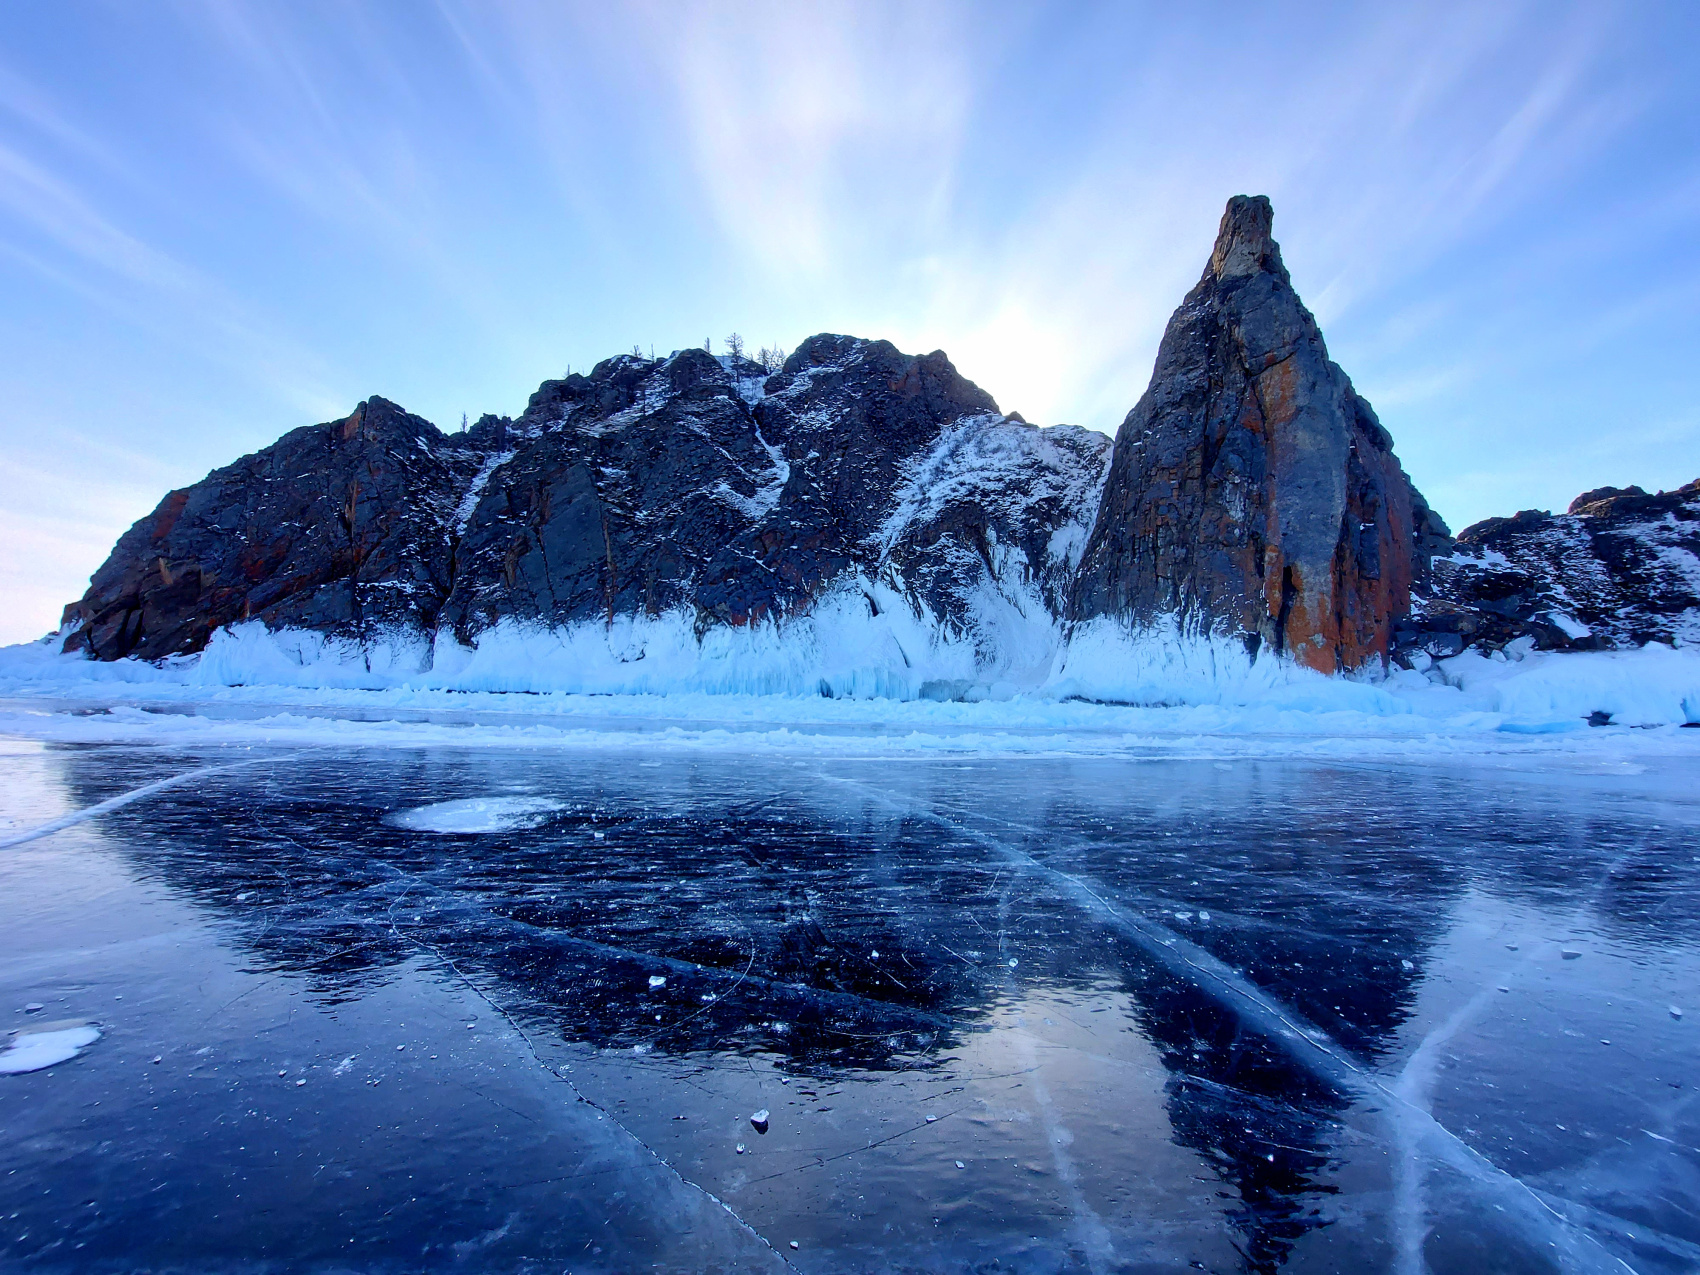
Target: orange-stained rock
{"type": "Point", "coordinates": [1253, 492]}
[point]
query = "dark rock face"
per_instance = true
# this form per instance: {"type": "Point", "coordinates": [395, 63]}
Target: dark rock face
{"type": "Point", "coordinates": [1253, 492]}
{"type": "Point", "coordinates": [343, 527]}
{"type": "Point", "coordinates": [1621, 568]}
{"type": "Point", "coordinates": [648, 486]}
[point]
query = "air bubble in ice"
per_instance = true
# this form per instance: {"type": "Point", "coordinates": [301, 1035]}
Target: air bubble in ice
{"type": "Point", "coordinates": [1013, 962]}
{"type": "Point", "coordinates": [1406, 966]}
{"type": "Point", "coordinates": [658, 980]}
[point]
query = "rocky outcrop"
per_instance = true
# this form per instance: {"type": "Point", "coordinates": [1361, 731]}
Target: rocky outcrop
{"type": "Point", "coordinates": [1620, 568]}
{"type": "Point", "coordinates": [1253, 491]}
{"type": "Point", "coordinates": [690, 483]}
{"type": "Point", "coordinates": [344, 527]}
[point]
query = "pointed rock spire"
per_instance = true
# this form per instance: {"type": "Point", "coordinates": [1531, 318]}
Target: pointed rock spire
{"type": "Point", "coordinates": [1252, 491]}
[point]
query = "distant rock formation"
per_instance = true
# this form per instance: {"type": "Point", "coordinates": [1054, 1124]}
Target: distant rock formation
{"type": "Point", "coordinates": [1620, 568]}
{"type": "Point", "coordinates": [648, 486]}
{"type": "Point", "coordinates": [1253, 491]}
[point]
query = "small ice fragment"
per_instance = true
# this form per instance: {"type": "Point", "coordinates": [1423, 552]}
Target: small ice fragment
{"type": "Point", "coordinates": [598, 835]}
{"type": "Point", "coordinates": [930, 1119]}
{"type": "Point", "coordinates": [1570, 954]}
{"type": "Point", "coordinates": [34, 1007]}
{"type": "Point", "coordinates": [793, 1243]}
{"type": "Point", "coordinates": [1510, 947]}
{"type": "Point", "coordinates": [1183, 916]}
{"type": "Point", "coordinates": [961, 1165]}
{"type": "Point", "coordinates": [1204, 916]}
{"type": "Point", "coordinates": [159, 1058]}
{"type": "Point", "coordinates": [873, 956]}
{"type": "Point", "coordinates": [1406, 966]}
{"type": "Point", "coordinates": [759, 1120]}
{"type": "Point", "coordinates": [1013, 962]}
{"type": "Point", "coordinates": [400, 1046]}
{"type": "Point", "coordinates": [243, 897]}
{"type": "Point", "coordinates": [658, 980]}
{"type": "Point", "coordinates": [1505, 989]}
{"type": "Point", "coordinates": [1675, 1012]}
{"type": "Point", "coordinates": [299, 1083]}
{"type": "Point", "coordinates": [285, 1072]}
{"type": "Point", "coordinates": [740, 1148]}
{"type": "Point", "coordinates": [470, 1026]}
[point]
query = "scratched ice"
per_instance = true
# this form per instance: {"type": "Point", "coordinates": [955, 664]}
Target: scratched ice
{"type": "Point", "coordinates": [1022, 1014]}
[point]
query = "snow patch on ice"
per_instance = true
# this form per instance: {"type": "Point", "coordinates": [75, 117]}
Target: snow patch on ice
{"type": "Point", "coordinates": [477, 815]}
{"type": "Point", "coordinates": [37, 1048]}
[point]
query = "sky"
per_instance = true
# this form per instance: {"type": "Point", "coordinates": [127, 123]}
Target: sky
{"type": "Point", "coordinates": [220, 220]}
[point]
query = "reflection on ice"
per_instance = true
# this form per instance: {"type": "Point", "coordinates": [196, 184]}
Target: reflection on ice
{"type": "Point", "coordinates": [1056, 1014]}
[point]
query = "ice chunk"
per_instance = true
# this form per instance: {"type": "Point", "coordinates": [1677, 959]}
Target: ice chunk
{"type": "Point", "coordinates": [34, 1007]}
{"type": "Point", "coordinates": [477, 814]}
{"type": "Point", "coordinates": [658, 980]}
{"type": "Point", "coordinates": [1570, 954]}
{"type": "Point", "coordinates": [36, 1048]}
{"type": "Point", "coordinates": [759, 1120]}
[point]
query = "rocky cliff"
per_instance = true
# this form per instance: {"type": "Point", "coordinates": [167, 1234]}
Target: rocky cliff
{"type": "Point", "coordinates": [689, 484]}
{"type": "Point", "coordinates": [1620, 568]}
{"type": "Point", "coordinates": [1251, 493]}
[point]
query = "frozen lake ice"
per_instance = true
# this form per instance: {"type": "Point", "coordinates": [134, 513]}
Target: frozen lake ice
{"type": "Point", "coordinates": [397, 1008]}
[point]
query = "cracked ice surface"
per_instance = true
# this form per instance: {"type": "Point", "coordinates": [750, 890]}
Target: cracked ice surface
{"type": "Point", "coordinates": [508, 1010]}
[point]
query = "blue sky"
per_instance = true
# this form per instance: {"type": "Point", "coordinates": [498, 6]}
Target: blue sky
{"type": "Point", "coordinates": [219, 221]}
